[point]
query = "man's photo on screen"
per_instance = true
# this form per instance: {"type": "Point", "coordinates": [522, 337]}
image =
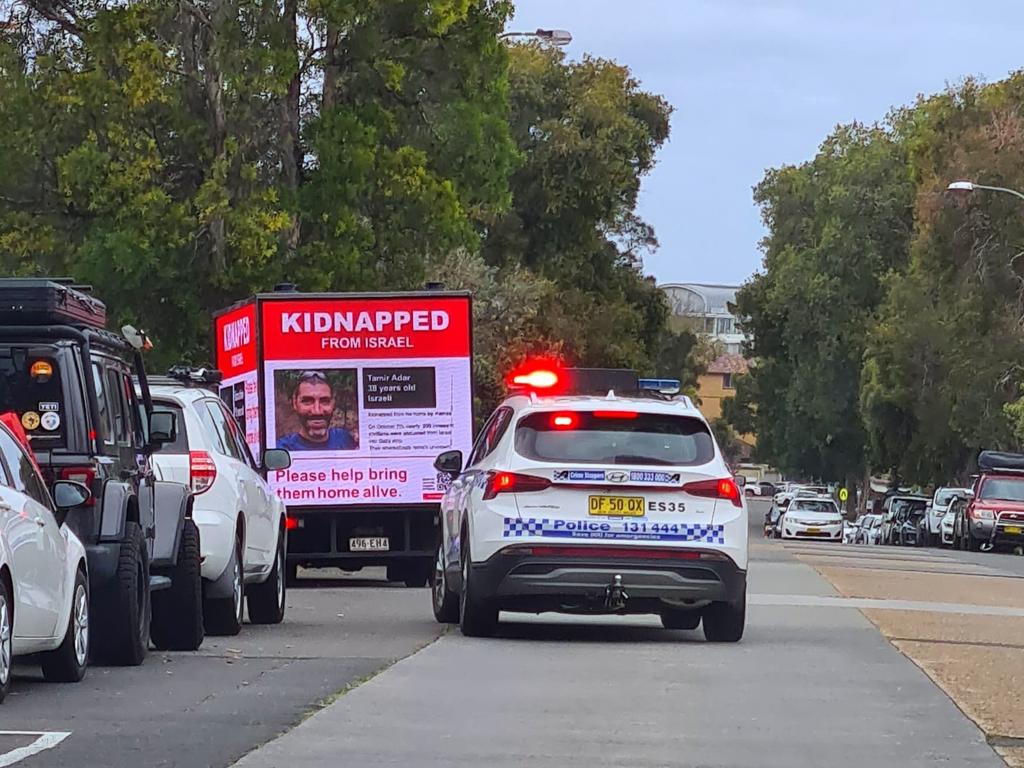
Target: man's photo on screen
{"type": "Point", "coordinates": [316, 410]}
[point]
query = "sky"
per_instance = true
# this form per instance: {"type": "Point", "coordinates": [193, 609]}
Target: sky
{"type": "Point", "coordinates": [760, 83]}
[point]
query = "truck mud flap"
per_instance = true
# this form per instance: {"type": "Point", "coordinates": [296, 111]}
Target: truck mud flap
{"type": "Point", "coordinates": [171, 509]}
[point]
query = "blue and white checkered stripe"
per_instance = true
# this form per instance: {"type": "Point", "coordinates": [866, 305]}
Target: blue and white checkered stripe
{"type": "Point", "coordinates": [528, 527]}
{"type": "Point", "coordinates": [620, 530]}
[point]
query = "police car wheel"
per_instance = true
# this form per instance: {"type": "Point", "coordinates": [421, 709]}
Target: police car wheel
{"type": "Point", "coordinates": [446, 602]}
{"type": "Point", "coordinates": [478, 616]}
{"type": "Point", "coordinates": [678, 618]}
{"type": "Point", "coordinates": [724, 622]}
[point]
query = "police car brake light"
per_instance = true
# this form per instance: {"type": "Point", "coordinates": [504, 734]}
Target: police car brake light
{"type": "Point", "coordinates": [615, 414]}
{"type": "Point", "coordinates": [512, 482]}
{"type": "Point", "coordinates": [565, 420]}
{"type": "Point", "coordinates": [724, 488]}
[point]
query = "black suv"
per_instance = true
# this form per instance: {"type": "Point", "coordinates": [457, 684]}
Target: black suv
{"type": "Point", "coordinates": [70, 383]}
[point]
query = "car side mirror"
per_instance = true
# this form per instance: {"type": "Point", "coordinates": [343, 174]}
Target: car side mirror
{"type": "Point", "coordinates": [741, 481]}
{"type": "Point", "coordinates": [163, 428]}
{"type": "Point", "coordinates": [68, 494]}
{"type": "Point", "coordinates": [276, 458]}
{"type": "Point", "coordinates": [449, 462]}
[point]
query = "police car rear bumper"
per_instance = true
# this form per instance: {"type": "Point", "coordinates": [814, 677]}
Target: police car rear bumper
{"type": "Point", "coordinates": [526, 577]}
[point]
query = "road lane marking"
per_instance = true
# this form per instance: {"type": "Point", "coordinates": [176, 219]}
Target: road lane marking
{"type": "Point", "coordinates": [813, 601]}
{"type": "Point", "coordinates": [46, 740]}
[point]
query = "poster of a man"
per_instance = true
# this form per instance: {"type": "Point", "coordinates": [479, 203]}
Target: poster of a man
{"type": "Point", "coordinates": [313, 412]}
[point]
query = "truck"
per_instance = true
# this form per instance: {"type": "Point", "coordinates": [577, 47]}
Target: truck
{"type": "Point", "coordinates": [364, 390]}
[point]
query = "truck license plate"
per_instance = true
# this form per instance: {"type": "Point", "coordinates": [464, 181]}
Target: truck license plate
{"type": "Point", "coordinates": [369, 544]}
{"type": "Point", "coordinates": [1013, 529]}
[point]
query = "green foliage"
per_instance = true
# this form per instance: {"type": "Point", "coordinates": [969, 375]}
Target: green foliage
{"type": "Point", "coordinates": [887, 322]}
{"type": "Point", "coordinates": [837, 226]}
{"type": "Point", "coordinates": [181, 155]}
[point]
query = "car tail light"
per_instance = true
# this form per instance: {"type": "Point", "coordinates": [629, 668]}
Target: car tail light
{"type": "Point", "coordinates": [86, 475]}
{"type": "Point", "coordinates": [202, 471]}
{"type": "Point", "coordinates": [510, 482]}
{"type": "Point", "coordinates": [724, 488]}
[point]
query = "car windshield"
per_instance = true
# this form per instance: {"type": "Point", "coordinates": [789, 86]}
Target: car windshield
{"type": "Point", "coordinates": [30, 386]}
{"type": "Point", "coordinates": [815, 505]}
{"type": "Point", "coordinates": [1002, 488]}
{"type": "Point", "coordinates": [581, 437]}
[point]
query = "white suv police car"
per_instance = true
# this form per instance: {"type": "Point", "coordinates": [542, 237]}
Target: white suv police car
{"type": "Point", "coordinates": [592, 504]}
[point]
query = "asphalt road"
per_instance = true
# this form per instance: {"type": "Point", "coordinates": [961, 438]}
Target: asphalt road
{"type": "Point", "coordinates": [809, 685]}
{"type": "Point", "coordinates": [184, 710]}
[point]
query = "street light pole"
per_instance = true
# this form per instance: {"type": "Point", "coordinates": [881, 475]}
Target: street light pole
{"type": "Point", "coordinates": [558, 37]}
{"type": "Point", "coordinates": [970, 186]}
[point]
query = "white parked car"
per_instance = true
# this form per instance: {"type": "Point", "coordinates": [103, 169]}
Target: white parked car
{"type": "Point", "coordinates": [936, 514]}
{"type": "Point", "coordinates": [44, 582]}
{"type": "Point", "coordinates": [812, 518]}
{"type": "Point", "coordinates": [594, 504]}
{"type": "Point", "coordinates": [870, 530]}
{"type": "Point", "coordinates": [242, 522]}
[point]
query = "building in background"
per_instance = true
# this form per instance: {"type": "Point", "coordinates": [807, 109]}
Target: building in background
{"type": "Point", "coordinates": [704, 309]}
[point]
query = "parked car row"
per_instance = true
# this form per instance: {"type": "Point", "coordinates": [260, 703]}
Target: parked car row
{"type": "Point", "coordinates": [130, 515]}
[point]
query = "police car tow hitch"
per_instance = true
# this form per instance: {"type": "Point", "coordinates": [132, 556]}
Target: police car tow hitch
{"type": "Point", "coordinates": [615, 596]}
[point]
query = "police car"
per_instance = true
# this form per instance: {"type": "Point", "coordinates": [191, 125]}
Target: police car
{"type": "Point", "coordinates": [613, 503]}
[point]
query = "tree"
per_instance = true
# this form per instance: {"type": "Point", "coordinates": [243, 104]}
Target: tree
{"type": "Point", "coordinates": [587, 134]}
{"type": "Point", "coordinates": [837, 225]}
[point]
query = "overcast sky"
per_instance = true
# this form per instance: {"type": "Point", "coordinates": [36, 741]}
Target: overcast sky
{"type": "Point", "coordinates": [759, 83]}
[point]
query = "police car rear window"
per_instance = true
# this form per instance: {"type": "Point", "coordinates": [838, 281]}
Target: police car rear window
{"type": "Point", "coordinates": [30, 386]}
{"type": "Point", "coordinates": [581, 437]}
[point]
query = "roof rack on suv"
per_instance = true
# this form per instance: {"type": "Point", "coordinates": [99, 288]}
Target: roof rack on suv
{"type": "Point", "coordinates": [190, 376]}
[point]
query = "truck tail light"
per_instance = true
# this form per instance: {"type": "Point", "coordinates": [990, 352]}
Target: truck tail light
{"type": "Point", "coordinates": [510, 482]}
{"type": "Point", "coordinates": [85, 474]}
{"type": "Point", "coordinates": [202, 471]}
{"type": "Point", "coordinates": [725, 488]}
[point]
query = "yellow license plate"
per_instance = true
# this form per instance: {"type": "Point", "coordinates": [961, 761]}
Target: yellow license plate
{"type": "Point", "coordinates": [618, 506]}
{"type": "Point", "coordinates": [1015, 529]}
{"type": "Point", "coordinates": [814, 530]}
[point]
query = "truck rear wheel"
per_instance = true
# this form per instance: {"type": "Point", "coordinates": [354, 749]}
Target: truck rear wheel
{"type": "Point", "coordinates": [123, 607]}
{"type": "Point", "coordinates": [178, 610]}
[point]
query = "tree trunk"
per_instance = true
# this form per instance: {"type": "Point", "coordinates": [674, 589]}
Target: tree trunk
{"type": "Point", "coordinates": [291, 150]}
{"type": "Point", "coordinates": [331, 66]}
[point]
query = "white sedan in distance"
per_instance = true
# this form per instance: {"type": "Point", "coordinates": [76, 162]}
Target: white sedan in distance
{"type": "Point", "coordinates": [812, 518]}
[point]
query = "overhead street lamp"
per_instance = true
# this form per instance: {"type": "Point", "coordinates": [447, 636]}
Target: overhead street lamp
{"type": "Point", "coordinates": [557, 37]}
{"type": "Point", "coordinates": [970, 186]}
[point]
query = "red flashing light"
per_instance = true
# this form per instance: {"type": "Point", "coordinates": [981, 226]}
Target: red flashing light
{"type": "Point", "coordinates": [725, 488]}
{"type": "Point", "coordinates": [511, 482]}
{"type": "Point", "coordinates": [542, 378]}
{"type": "Point", "coordinates": [568, 420]}
{"type": "Point", "coordinates": [291, 523]}
{"type": "Point", "coordinates": [615, 414]}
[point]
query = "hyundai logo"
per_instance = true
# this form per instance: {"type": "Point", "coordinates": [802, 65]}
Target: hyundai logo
{"type": "Point", "coordinates": [616, 477]}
